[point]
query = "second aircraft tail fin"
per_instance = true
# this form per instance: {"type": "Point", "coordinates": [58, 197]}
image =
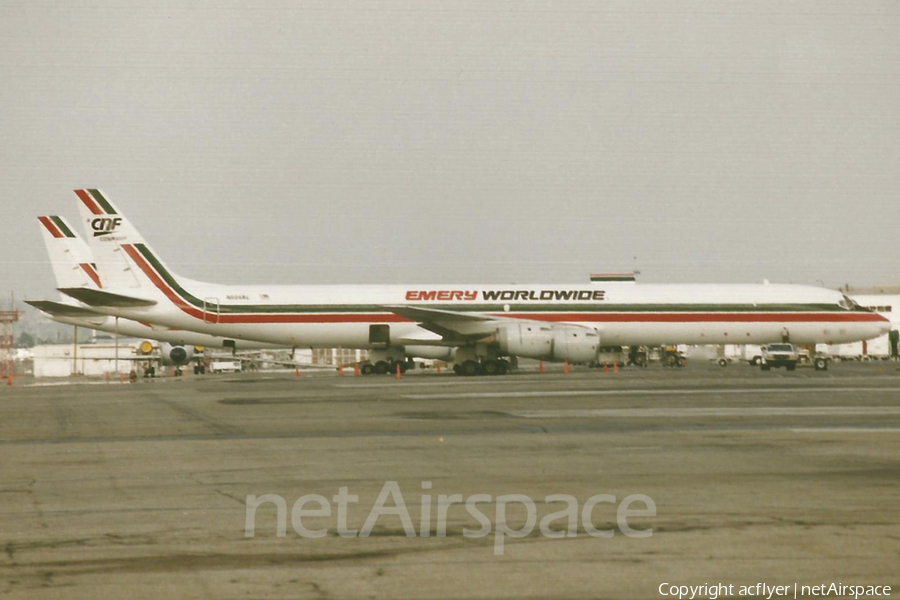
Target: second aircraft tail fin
{"type": "Point", "coordinates": [71, 259]}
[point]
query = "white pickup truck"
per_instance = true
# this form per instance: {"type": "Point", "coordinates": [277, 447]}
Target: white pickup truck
{"type": "Point", "coordinates": [779, 355]}
{"type": "Point", "coordinates": [225, 366]}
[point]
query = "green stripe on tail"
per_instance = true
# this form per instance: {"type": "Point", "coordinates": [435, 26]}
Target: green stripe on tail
{"type": "Point", "coordinates": [63, 228]}
{"type": "Point", "coordinates": [103, 202]}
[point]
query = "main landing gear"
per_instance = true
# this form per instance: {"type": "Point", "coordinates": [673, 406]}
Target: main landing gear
{"type": "Point", "coordinates": [384, 367]}
{"type": "Point", "coordinates": [488, 366]}
{"type": "Point", "coordinates": [384, 361]}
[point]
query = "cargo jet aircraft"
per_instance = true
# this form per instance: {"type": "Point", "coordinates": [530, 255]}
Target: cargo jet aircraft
{"type": "Point", "coordinates": [478, 325]}
{"type": "Point", "coordinates": [74, 266]}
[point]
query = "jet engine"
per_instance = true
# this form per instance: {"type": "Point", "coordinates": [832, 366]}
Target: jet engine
{"type": "Point", "coordinates": [549, 342]}
{"type": "Point", "coordinates": [175, 355]}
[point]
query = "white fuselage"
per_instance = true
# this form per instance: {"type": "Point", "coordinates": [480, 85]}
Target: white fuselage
{"type": "Point", "coordinates": [355, 316]}
{"type": "Point", "coordinates": [622, 313]}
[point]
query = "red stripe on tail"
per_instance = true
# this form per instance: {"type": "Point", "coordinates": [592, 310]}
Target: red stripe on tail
{"type": "Point", "coordinates": [53, 229]}
{"type": "Point", "coordinates": [89, 202]}
{"type": "Point", "coordinates": [92, 273]}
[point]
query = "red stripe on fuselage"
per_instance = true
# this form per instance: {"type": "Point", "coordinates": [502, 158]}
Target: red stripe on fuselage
{"type": "Point", "coordinates": [89, 202]}
{"type": "Point", "coordinates": [51, 227]}
{"type": "Point", "coordinates": [572, 318]}
{"type": "Point", "coordinates": [716, 317]}
{"type": "Point", "coordinates": [87, 268]}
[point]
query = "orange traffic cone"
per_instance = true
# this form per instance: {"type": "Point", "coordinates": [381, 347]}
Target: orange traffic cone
{"type": "Point", "coordinates": [541, 367]}
{"type": "Point", "coordinates": [9, 381]}
{"type": "Point", "coordinates": [297, 372]}
{"type": "Point", "coordinates": [565, 367]}
{"type": "Point", "coordinates": [356, 369]}
{"type": "Point", "coordinates": [605, 367]}
{"type": "Point", "coordinates": [615, 367]}
{"type": "Point", "coordinates": [398, 370]}
{"type": "Point", "coordinates": [341, 369]}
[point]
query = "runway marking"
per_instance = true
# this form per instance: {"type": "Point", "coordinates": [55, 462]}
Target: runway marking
{"type": "Point", "coordinates": [650, 391]}
{"type": "Point", "coordinates": [846, 430]}
{"type": "Point", "coordinates": [66, 383]}
{"type": "Point", "coordinates": [751, 411]}
{"type": "Point", "coordinates": [449, 382]}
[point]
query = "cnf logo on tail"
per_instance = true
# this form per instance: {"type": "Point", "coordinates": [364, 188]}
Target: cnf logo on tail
{"type": "Point", "coordinates": [105, 225]}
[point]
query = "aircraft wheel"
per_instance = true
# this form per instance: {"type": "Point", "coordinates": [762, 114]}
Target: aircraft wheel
{"type": "Point", "coordinates": [381, 367]}
{"type": "Point", "coordinates": [367, 368]}
{"type": "Point", "coordinates": [491, 367]}
{"type": "Point", "coordinates": [470, 368]}
{"type": "Point", "coordinates": [820, 364]}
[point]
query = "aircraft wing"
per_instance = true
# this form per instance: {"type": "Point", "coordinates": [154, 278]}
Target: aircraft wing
{"type": "Point", "coordinates": [454, 327]}
{"type": "Point", "coordinates": [417, 313]}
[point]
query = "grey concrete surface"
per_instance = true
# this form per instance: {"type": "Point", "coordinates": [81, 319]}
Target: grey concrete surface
{"type": "Point", "coordinates": [139, 491]}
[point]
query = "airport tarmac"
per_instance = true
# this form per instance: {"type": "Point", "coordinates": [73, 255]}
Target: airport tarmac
{"type": "Point", "coordinates": [140, 490]}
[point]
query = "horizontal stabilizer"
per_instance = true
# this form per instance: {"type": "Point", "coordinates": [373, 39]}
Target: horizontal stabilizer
{"type": "Point", "coordinates": [103, 298]}
{"type": "Point", "coordinates": [58, 309]}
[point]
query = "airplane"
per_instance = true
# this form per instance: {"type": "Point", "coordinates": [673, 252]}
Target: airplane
{"type": "Point", "coordinates": [478, 326]}
{"type": "Point", "coordinates": [73, 266]}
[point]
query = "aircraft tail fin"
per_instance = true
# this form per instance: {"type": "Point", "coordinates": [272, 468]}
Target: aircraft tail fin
{"type": "Point", "coordinates": [120, 251]}
{"type": "Point", "coordinates": [71, 259]}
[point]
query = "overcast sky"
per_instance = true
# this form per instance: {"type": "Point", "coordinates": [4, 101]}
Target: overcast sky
{"type": "Point", "coordinates": [527, 141]}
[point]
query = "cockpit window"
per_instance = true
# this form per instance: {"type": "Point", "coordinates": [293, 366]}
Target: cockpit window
{"type": "Point", "coordinates": [848, 303]}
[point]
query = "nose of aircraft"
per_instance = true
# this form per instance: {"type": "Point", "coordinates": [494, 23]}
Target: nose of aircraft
{"type": "Point", "coordinates": [884, 326]}
{"type": "Point", "coordinates": [878, 326]}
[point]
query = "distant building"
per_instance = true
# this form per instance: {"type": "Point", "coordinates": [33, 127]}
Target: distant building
{"type": "Point", "coordinates": [328, 357]}
{"type": "Point", "coordinates": [60, 360]}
